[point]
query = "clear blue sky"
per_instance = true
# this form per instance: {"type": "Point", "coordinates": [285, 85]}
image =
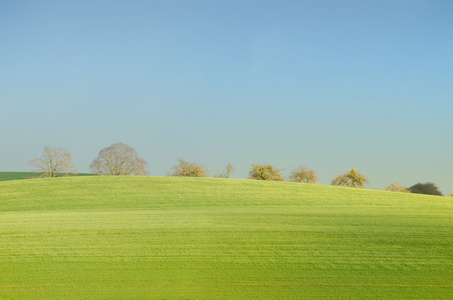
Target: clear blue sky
{"type": "Point", "coordinates": [331, 85]}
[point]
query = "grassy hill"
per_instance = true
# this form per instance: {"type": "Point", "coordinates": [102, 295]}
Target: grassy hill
{"type": "Point", "coordinates": [204, 238]}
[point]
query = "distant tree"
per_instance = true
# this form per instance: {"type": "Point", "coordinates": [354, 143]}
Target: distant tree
{"type": "Point", "coordinates": [351, 179]}
{"type": "Point", "coordinates": [265, 172]}
{"type": "Point", "coordinates": [226, 173]}
{"type": "Point", "coordinates": [54, 162]}
{"type": "Point", "coordinates": [304, 175]}
{"type": "Point", "coordinates": [395, 187]}
{"type": "Point", "coordinates": [427, 188]}
{"type": "Point", "coordinates": [187, 169]}
{"type": "Point", "coordinates": [119, 159]}
{"type": "Point", "coordinates": [451, 195]}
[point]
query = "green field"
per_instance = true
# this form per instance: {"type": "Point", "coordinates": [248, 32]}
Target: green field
{"type": "Point", "coordinates": [204, 238]}
{"type": "Point", "coordinates": [6, 176]}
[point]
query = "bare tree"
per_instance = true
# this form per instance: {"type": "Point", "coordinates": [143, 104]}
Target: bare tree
{"type": "Point", "coordinates": [396, 187]}
{"type": "Point", "coordinates": [187, 169]}
{"type": "Point", "coordinates": [119, 159]}
{"type": "Point", "coordinates": [304, 175]}
{"type": "Point", "coordinates": [226, 173]}
{"type": "Point", "coordinates": [54, 162]}
{"type": "Point", "coordinates": [265, 172]}
{"type": "Point", "coordinates": [351, 179]}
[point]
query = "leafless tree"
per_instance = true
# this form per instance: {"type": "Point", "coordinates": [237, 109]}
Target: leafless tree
{"type": "Point", "coordinates": [119, 159]}
{"type": "Point", "coordinates": [54, 162]}
{"type": "Point", "coordinates": [396, 187]}
{"type": "Point", "coordinates": [226, 173]}
{"type": "Point", "coordinates": [304, 175]}
{"type": "Point", "coordinates": [188, 169]}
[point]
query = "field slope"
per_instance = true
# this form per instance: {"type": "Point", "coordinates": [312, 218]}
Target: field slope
{"type": "Point", "coordinates": [192, 238]}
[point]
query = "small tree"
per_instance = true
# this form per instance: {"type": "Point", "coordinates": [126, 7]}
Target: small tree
{"type": "Point", "coordinates": [265, 172]}
{"type": "Point", "coordinates": [119, 159]}
{"type": "Point", "coordinates": [351, 179]}
{"type": "Point", "coordinates": [304, 175]}
{"type": "Point", "coordinates": [395, 187]}
{"type": "Point", "coordinates": [226, 173]}
{"type": "Point", "coordinates": [427, 188]}
{"type": "Point", "coordinates": [187, 169]}
{"type": "Point", "coordinates": [54, 162]}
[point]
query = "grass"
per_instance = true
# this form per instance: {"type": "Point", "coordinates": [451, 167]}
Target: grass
{"type": "Point", "coordinates": [6, 176]}
{"type": "Point", "coordinates": [195, 238]}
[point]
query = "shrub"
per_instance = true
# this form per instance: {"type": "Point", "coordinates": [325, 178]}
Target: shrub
{"type": "Point", "coordinates": [351, 179]}
{"type": "Point", "coordinates": [395, 187]}
{"type": "Point", "coordinates": [226, 173]}
{"type": "Point", "coordinates": [187, 169]}
{"type": "Point", "coordinates": [304, 175]}
{"type": "Point", "coordinates": [265, 172]}
{"type": "Point", "coordinates": [427, 188]}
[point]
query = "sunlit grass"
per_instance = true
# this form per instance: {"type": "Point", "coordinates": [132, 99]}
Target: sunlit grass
{"type": "Point", "coordinates": [202, 238]}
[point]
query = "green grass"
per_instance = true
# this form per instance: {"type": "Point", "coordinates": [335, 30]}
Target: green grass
{"type": "Point", "coordinates": [194, 238]}
{"type": "Point", "coordinates": [6, 176]}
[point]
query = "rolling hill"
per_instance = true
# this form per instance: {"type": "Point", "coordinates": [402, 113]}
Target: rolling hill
{"type": "Point", "coordinates": [132, 237]}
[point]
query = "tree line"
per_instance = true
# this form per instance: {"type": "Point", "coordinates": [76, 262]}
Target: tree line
{"type": "Point", "coordinates": [122, 159]}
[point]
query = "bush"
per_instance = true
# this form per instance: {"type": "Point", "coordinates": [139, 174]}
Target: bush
{"type": "Point", "coordinates": [304, 175]}
{"type": "Point", "coordinates": [225, 174]}
{"type": "Point", "coordinates": [395, 187]}
{"type": "Point", "coordinates": [351, 179]}
{"type": "Point", "coordinates": [427, 188]}
{"type": "Point", "coordinates": [265, 172]}
{"type": "Point", "coordinates": [187, 169]}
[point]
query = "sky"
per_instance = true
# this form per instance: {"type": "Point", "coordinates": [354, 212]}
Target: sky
{"type": "Point", "coordinates": [330, 85]}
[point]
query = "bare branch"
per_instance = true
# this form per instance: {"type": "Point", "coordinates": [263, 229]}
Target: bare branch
{"type": "Point", "coordinates": [225, 174]}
